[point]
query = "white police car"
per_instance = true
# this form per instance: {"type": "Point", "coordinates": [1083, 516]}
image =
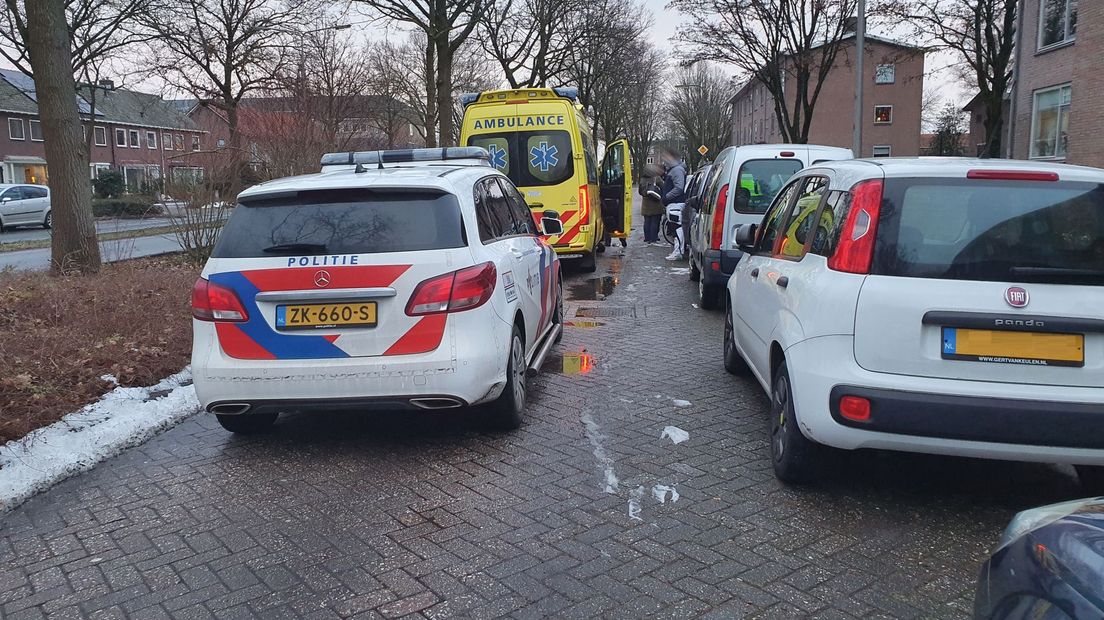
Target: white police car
{"type": "Point", "coordinates": [412, 279]}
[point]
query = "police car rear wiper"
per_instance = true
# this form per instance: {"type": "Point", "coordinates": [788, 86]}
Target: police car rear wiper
{"type": "Point", "coordinates": [297, 248]}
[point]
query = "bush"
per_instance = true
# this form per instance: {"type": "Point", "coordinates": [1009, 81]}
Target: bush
{"type": "Point", "coordinates": [108, 184]}
{"type": "Point", "coordinates": [127, 207]}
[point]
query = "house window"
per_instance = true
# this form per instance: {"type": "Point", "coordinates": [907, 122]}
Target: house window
{"type": "Point", "coordinates": [195, 143]}
{"type": "Point", "coordinates": [15, 129]}
{"type": "Point", "coordinates": [885, 74]}
{"type": "Point", "coordinates": [1057, 22]}
{"type": "Point", "coordinates": [166, 141]}
{"type": "Point", "coordinates": [178, 142]}
{"type": "Point", "coordinates": [151, 139]}
{"type": "Point", "coordinates": [882, 151]}
{"type": "Point", "coordinates": [1050, 122]}
{"type": "Point", "coordinates": [99, 135]}
{"type": "Point", "coordinates": [883, 114]}
{"type": "Point", "coordinates": [135, 140]}
{"type": "Point", "coordinates": [222, 143]}
{"type": "Point", "coordinates": [36, 131]}
{"type": "Point", "coordinates": [120, 137]}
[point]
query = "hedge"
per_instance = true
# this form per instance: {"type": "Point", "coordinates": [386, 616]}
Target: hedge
{"type": "Point", "coordinates": [127, 207]}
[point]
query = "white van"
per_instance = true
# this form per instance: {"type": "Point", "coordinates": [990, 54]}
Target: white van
{"type": "Point", "coordinates": [757, 172]}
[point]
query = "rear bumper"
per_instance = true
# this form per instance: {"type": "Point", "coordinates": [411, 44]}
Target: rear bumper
{"type": "Point", "coordinates": [1027, 422]}
{"type": "Point", "coordinates": [1008, 421]}
{"type": "Point", "coordinates": [717, 266]}
{"type": "Point", "coordinates": [352, 405]}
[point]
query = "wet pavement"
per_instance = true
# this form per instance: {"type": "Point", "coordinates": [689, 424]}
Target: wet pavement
{"type": "Point", "coordinates": [639, 485]}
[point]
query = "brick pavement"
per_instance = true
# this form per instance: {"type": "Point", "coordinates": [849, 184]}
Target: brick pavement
{"type": "Point", "coordinates": [430, 516]}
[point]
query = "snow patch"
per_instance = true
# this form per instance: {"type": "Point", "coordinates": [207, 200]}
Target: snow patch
{"type": "Point", "coordinates": [682, 271]}
{"type": "Point", "coordinates": [124, 417]}
{"type": "Point", "coordinates": [660, 492]}
{"type": "Point", "coordinates": [676, 434]}
{"type": "Point", "coordinates": [594, 434]}
{"type": "Point", "coordinates": [682, 404]}
{"type": "Point", "coordinates": [634, 503]}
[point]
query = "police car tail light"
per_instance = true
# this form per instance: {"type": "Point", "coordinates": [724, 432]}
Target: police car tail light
{"type": "Point", "coordinates": [855, 251]}
{"type": "Point", "coordinates": [454, 292]}
{"type": "Point", "coordinates": [213, 302]}
{"type": "Point", "coordinates": [718, 219]}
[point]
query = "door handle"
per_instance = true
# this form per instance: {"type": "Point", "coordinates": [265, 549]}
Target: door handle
{"type": "Point", "coordinates": [755, 273]}
{"type": "Point", "coordinates": [535, 205]}
{"type": "Point", "coordinates": [516, 252]}
{"type": "Point", "coordinates": [782, 281]}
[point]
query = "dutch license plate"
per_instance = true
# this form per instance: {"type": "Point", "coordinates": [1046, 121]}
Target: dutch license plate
{"type": "Point", "coordinates": [319, 316]}
{"type": "Point", "coordinates": [1008, 347]}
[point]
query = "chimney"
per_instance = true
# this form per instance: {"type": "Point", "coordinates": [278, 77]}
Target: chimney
{"type": "Point", "coordinates": [106, 84]}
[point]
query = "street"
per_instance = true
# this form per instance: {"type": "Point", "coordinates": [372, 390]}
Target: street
{"type": "Point", "coordinates": [113, 250]}
{"type": "Point", "coordinates": [591, 509]}
{"type": "Point", "coordinates": [35, 233]}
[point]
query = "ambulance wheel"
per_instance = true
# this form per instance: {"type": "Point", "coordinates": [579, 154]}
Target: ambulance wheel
{"type": "Point", "coordinates": [247, 424]}
{"type": "Point", "coordinates": [589, 262]}
{"type": "Point", "coordinates": [506, 410]}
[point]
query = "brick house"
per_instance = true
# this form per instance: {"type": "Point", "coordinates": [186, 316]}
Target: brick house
{"type": "Point", "coordinates": [141, 135]}
{"type": "Point", "coordinates": [892, 94]}
{"type": "Point", "coordinates": [1059, 82]}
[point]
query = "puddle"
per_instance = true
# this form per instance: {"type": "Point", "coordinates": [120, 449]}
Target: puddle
{"type": "Point", "coordinates": [583, 324]}
{"type": "Point", "coordinates": [570, 363]}
{"type": "Point", "coordinates": [593, 289]}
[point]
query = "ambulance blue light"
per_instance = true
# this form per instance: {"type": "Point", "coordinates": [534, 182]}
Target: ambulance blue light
{"type": "Point", "coordinates": [466, 99]}
{"type": "Point", "coordinates": [567, 92]}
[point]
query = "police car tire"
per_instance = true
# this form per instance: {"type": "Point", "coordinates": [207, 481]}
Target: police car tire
{"type": "Point", "coordinates": [558, 317]}
{"type": "Point", "coordinates": [506, 410]}
{"type": "Point", "coordinates": [588, 263]}
{"type": "Point", "coordinates": [1091, 478]}
{"type": "Point", "coordinates": [247, 424]}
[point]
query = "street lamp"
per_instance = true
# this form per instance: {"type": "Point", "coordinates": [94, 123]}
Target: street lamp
{"type": "Point", "coordinates": [860, 51]}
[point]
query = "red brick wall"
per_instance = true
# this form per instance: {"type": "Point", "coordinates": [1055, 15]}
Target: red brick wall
{"type": "Point", "coordinates": [1041, 70]}
{"type": "Point", "coordinates": [1086, 119]}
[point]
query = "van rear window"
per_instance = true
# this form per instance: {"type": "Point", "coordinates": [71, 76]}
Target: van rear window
{"type": "Point", "coordinates": [530, 158]}
{"type": "Point", "coordinates": [1019, 231]}
{"type": "Point", "coordinates": [759, 182]}
{"type": "Point", "coordinates": [342, 222]}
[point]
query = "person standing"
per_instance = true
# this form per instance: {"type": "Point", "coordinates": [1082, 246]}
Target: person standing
{"type": "Point", "coordinates": [674, 192]}
{"type": "Point", "coordinates": [652, 205]}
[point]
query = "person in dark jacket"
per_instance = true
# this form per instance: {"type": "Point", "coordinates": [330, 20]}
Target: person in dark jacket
{"type": "Point", "coordinates": [652, 205]}
{"type": "Point", "coordinates": [674, 180]}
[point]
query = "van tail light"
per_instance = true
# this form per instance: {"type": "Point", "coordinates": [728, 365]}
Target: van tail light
{"type": "Point", "coordinates": [454, 292]}
{"type": "Point", "coordinates": [584, 203]}
{"type": "Point", "coordinates": [214, 302]}
{"type": "Point", "coordinates": [717, 233]}
{"type": "Point", "coordinates": [1012, 175]}
{"type": "Point", "coordinates": [855, 251]}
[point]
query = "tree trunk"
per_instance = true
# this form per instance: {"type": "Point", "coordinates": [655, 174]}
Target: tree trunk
{"type": "Point", "coordinates": [994, 126]}
{"type": "Point", "coordinates": [431, 91]}
{"type": "Point", "coordinates": [444, 91]}
{"type": "Point", "coordinates": [74, 247]}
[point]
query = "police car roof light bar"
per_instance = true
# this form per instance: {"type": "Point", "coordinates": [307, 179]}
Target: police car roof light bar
{"type": "Point", "coordinates": [399, 156]}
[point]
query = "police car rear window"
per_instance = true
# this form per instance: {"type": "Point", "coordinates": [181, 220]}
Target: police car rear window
{"type": "Point", "coordinates": [342, 222]}
{"type": "Point", "coordinates": [530, 158]}
{"type": "Point", "coordinates": [1002, 231]}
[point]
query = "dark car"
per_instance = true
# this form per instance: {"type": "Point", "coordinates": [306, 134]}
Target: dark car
{"type": "Point", "coordinates": [1049, 565]}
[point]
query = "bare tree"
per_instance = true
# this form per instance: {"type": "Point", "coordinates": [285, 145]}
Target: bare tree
{"type": "Point", "coordinates": [697, 108]}
{"type": "Point", "coordinates": [222, 50]}
{"type": "Point", "coordinates": [949, 132]}
{"type": "Point", "coordinates": [528, 38]}
{"type": "Point", "coordinates": [74, 247]}
{"type": "Point", "coordinates": [790, 46]}
{"type": "Point", "coordinates": [930, 103]}
{"type": "Point", "coordinates": [642, 120]}
{"type": "Point", "coordinates": [398, 73]}
{"type": "Point", "coordinates": [982, 34]}
{"type": "Point", "coordinates": [447, 24]}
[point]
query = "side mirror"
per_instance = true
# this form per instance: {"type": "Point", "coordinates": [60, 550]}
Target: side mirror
{"type": "Point", "coordinates": [551, 225]}
{"type": "Point", "coordinates": [743, 237]}
{"type": "Point", "coordinates": [5, 199]}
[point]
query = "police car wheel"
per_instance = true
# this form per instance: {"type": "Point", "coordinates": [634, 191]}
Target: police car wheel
{"type": "Point", "coordinates": [247, 424]}
{"type": "Point", "coordinates": [506, 410]}
{"type": "Point", "coordinates": [558, 318]}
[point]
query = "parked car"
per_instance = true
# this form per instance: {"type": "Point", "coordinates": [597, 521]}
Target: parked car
{"type": "Point", "coordinates": [411, 279]}
{"type": "Point", "coordinates": [25, 205]}
{"type": "Point", "coordinates": [1049, 565]}
{"type": "Point", "coordinates": [946, 306]}
{"type": "Point", "coordinates": [695, 189]}
{"type": "Point", "coordinates": [742, 183]}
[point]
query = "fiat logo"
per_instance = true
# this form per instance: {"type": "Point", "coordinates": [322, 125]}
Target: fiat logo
{"type": "Point", "coordinates": [1017, 297]}
{"type": "Point", "coordinates": [322, 279]}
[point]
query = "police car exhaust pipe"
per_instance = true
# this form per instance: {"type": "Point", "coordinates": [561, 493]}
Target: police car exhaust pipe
{"type": "Point", "coordinates": [230, 408]}
{"type": "Point", "coordinates": [549, 340]}
{"type": "Point", "coordinates": [436, 403]}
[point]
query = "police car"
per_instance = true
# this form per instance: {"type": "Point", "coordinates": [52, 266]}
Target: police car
{"type": "Point", "coordinates": [412, 279]}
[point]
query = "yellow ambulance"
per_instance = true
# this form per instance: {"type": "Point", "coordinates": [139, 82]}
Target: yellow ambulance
{"type": "Point", "coordinates": [540, 138]}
